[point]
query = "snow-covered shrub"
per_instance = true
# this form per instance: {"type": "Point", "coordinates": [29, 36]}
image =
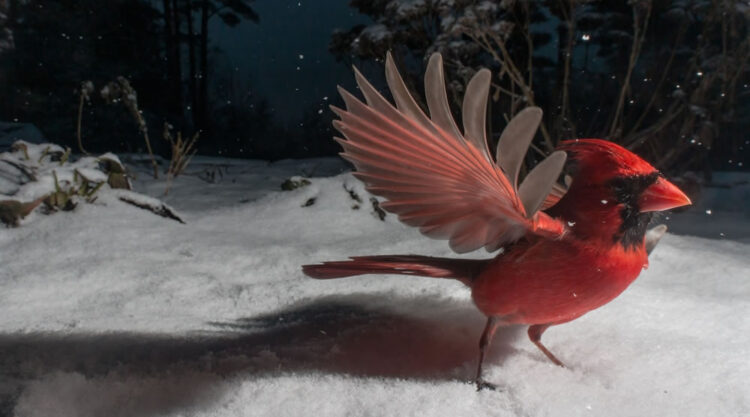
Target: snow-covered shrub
{"type": "Point", "coordinates": [36, 174]}
{"type": "Point", "coordinates": [182, 153]}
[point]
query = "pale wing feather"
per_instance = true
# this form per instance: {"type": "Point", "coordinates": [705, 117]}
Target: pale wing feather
{"type": "Point", "coordinates": [539, 182]}
{"type": "Point", "coordinates": [437, 97]}
{"type": "Point", "coordinates": [515, 140]}
{"type": "Point", "coordinates": [404, 100]}
{"type": "Point", "coordinates": [556, 193]}
{"type": "Point", "coordinates": [399, 128]}
{"type": "Point", "coordinates": [475, 111]}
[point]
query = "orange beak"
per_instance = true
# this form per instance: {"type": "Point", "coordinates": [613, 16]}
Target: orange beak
{"type": "Point", "coordinates": [662, 195]}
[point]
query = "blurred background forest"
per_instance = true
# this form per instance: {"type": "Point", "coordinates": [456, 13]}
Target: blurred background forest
{"type": "Point", "coordinates": [668, 79]}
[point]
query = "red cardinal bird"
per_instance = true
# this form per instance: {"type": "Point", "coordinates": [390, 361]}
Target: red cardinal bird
{"type": "Point", "coordinates": [565, 252]}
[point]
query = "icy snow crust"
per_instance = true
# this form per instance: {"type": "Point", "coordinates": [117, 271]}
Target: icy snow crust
{"type": "Point", "coordinates": [114, 311]}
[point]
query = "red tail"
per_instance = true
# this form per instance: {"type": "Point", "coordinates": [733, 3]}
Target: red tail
{"type": "Point", "coordinates": [463, 270]}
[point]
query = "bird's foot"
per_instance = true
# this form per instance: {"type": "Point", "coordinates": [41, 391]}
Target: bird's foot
{"type": "Point", "coordinates": [548, 354]}
{"type": "Point", "coordinates": [482, 384]}
{"type": "Point", "coordinates": [554, 359]}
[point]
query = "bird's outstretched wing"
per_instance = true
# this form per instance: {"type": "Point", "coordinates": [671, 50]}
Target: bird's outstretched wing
{"type": "Point", "coordinates": [440, 180]}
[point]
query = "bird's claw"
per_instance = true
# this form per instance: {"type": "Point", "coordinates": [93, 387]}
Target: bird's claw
{"type": "Point", "coordinates": [482, 384]}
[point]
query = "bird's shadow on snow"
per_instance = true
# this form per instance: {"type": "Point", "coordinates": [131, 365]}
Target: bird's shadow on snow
{"type": "Point", "coordinates": [363, 335]}
{"type": "Point", "coordinates": [416, 338]}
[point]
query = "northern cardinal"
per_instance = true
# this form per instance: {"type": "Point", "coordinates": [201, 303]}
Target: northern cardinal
{"type": "Point", "coordinates": [564, 251]}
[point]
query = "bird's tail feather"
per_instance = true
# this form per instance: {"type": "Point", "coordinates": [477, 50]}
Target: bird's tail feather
{"type": "Point", "coordinates": [464, 270]}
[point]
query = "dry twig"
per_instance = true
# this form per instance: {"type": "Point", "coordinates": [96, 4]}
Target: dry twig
{"type": "Point", "coordinates": [182, 153]}
{"type": "Point", "coordinates": [120, 90]}
{"type": "Point", "coordinates": [87, 87]}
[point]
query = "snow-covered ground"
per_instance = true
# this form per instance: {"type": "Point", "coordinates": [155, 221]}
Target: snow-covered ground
{"type": "Point", "coordinates": [112, 311]}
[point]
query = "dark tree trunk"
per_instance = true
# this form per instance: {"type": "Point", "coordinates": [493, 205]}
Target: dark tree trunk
{"type": "Point", "coordinates": [178, 62]}
{"type": "Point", "coordinates": [174, 67]}
{"type": "Point", "coordinates": [193, 80]}
{"type": "Point", "coordinates": [203, 78]}
{"type": "Point", "coordinates": [562, 124]}
{"type": "Point", "coordinates": [562, 36]}
{"type": "Point", "coordinates": [9, 65]}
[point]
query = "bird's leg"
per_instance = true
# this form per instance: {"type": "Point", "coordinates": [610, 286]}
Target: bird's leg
{"type": "Point", "coordinates": [484, 344]}
{"type": "Point", "coordinates": [535, 334]}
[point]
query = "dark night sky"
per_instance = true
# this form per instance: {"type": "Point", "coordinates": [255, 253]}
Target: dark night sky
{"type": "Point", "coordinates": [285, 57]}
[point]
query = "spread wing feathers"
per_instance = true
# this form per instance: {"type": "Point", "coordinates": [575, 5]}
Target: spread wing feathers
{"type": "Point", "coordinates": [438, 179]}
